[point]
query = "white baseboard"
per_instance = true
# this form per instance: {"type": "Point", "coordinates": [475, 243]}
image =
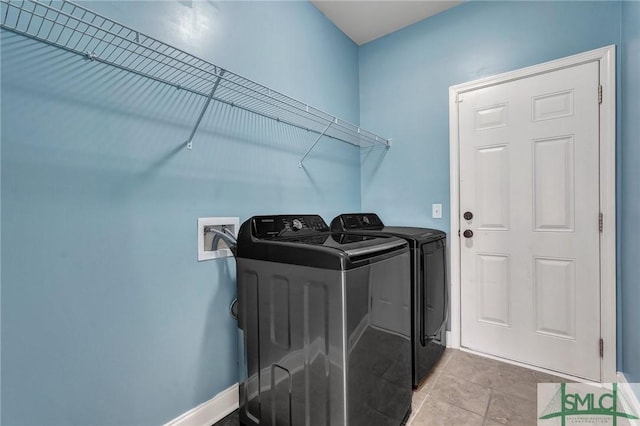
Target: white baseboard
{"type": "Point", "coordinates": [211, 411]}
{"type": "Point", "coordinates": [630, 399]}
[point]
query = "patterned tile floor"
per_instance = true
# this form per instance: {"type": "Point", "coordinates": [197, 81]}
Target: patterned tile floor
{"type": "Point", "coordinates": [469, 390]}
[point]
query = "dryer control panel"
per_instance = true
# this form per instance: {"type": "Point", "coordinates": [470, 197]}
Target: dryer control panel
{"type": "Point", "coordinates": [356, 221]}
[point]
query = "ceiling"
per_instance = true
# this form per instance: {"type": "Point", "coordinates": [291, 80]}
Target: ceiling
{"type": "Point", "coordinates": [367, 20]}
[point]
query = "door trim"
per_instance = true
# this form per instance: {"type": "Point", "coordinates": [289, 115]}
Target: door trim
{"type": "Point", "coordinates": [606, 57]}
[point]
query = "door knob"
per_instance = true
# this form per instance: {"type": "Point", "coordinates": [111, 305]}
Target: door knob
{"type": "Point", "coordinates": [468, 233]}
{"type": "Point", "coordinates": [467, 215]}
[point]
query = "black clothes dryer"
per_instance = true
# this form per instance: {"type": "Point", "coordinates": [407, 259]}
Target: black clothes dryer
{"type": "Point", "coordinates": [324, 318]}
{"type": "Point", "coordinates": [429, 295]}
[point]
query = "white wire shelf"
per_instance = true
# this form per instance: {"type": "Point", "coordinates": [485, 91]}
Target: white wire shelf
{"type": "Point", "coordinates": [79, 30]}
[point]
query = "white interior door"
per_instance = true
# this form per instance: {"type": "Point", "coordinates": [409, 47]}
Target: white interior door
{"type": "Point", "coordinates": [529, 175]}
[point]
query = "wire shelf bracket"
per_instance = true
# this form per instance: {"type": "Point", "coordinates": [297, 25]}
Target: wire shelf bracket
{"type": "Point", "coordinates": [315, 143]}
{"type": "Point", "coordinates": [79, 30]}
{"type": "Point", "coordinates": [204, 109]}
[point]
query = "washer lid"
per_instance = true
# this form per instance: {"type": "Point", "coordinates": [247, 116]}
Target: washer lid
{"type": "Point", "coordinates": [350, 244]}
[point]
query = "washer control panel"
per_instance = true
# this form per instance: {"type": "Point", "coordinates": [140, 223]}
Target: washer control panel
{"type": "Point", "coordinates": [287, 225]}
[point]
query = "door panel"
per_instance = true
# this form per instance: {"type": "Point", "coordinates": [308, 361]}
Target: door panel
{"type": "Point", "coordinates": [555, 290]}
{"type": "Point", "coordinates": [529, 155]}
{"type": "Point", "coordinates": [553, 184]}
{"type": "Point", "coordinates": [492, 185]}
{"type": "Point", "coordinates": [494, 288]}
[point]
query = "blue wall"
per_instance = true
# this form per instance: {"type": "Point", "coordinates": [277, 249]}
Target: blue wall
{"type": "Point", "coordinates": [107, 317]}
{"type": "Point", "coordinates": [630, 193]}
{"type": "Point", "coordinates": [404, 81]}
{"type": "Point", "coordinates": [405, 78]}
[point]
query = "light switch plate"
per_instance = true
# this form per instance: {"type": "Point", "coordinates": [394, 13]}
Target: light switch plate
{"type": "Point", "coordinates": [205, 238]}
{"type": "Point", "coordinates": [436, 211]}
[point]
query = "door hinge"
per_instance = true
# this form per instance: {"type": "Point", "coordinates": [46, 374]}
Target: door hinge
{"type": "Point", "coordinates": [600, 222]}
{"type": "Point", "coordinates": [600, 94]}
{"type": "Point", "coordinates": [601, 348]}
{"type": "Point", "coordinates": [458, 233]}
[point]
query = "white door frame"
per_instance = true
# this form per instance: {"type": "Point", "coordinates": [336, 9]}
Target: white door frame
{"type": "Point", "coordinates": [606, 56]}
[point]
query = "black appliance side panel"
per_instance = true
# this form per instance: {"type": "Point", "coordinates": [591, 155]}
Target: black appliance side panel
{"type": "Point", "coordinates": [250, 332]}
{"type": "Point", "coordinates": [436, 286]}
{"type": "Point", "coordinates": [429, 341]}
{"type": "Point", "coordinates": [379, 342]}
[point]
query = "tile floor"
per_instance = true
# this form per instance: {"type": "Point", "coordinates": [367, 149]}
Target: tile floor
{"type": "Point", "coordinates": [469, 390]}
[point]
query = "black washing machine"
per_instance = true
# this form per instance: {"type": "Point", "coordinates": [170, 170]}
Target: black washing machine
{"type": "Point", "coordinates": [429, 295]}
{"type": "Point", "coordinates": [325, 325]}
